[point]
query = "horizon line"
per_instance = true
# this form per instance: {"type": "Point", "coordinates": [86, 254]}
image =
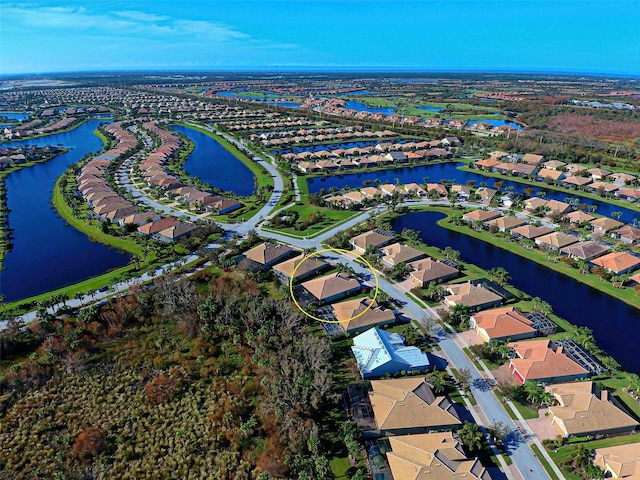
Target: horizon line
{"type": "Point", "coordinates": [318, 69]}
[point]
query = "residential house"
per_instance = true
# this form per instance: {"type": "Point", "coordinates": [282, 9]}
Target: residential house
{"type": "Point", "coordinates": [530, 231]}
{"type": "Point", "coordinates": [534, 203]}
{"type": "Point", "coordinates": [550, 175]}
{"type": "Point", "coordinates": [487, 164]}
{"type": "Point", "coordinates": [621, 461]}
{"type": "Point", "coordinates": [175, 232]}
{"type": "Point", "coordinates": [598, 173]}
{"type": "Point", "coordinates": [502, 324]}
{"type": "Point", "coordinates": [303, 268]}
{"type": "Point", "coordinates": [371, 193]}
{"type": "Point", "coordinates": [398, 253]}
{"type": "Point", "coordinates": [628, 194]}
{"type": "Point", "coordinates": [556, 206]}
{"type": "Point", "coordinates": [463, 192]}
{"type": "Point", "coordinates": [618, 262]}
{"type": "Point", "coordinates": [628, 234]}
{"type": "Point", "coordinates": [266, 255]}
{"type": "Point", "coordinates": [585, 250]}
{"type": "Point", "coordinates": [372, 239]}
{"type": "Point", "coordinates": [432, 456]}
{"type": "Point", "coordinates": [332, 287]}
{"type": "Point", "coordinates": [544, 361]}
{"type": "Point", "coordinates": [379, 353]}
{"type": "Point", "coordinates": [473, 296]}
{"type": "Point", "coordinates": [507, 223]}
{"type": "Point", "coordinates": [582, 409]}
{"type": "Point", "coordinates": [415, 190]}
{"type": "Point", "coordinates": [532, 159]}
{"type": "Point", "coordinates": [438, 188]}
{"type": "Point", "coordinates": [486, 194]}
{"type": "Point", "coordinates": [574, 182]}
{"type": "Point", "coordinates": [405, 406]}
{"type": "Point", "coordinates": [427, 270]}
{"type": "Point", "coordinates": [555, 240]}
{"type": "Point", "coordinates": [603, 225]}
{"type": "Point", "coordinates": [602, 188]}
{"type": "Point", "coordinates": [621, 178]}
{"type": "Point", "coordinates": [481, 216]}
{"type": "Point", "coordinates": [578, 217]}
{"type": "Point", "coordinates": [554, 165]}
{"type": "Point", "coordinates": [361, 314]}
{"type": "Point", "coordinates": [152, 228]}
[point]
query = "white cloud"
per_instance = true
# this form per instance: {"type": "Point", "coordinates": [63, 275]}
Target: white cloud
{"type": "Point", "coordinates": [125, 22]}
{"type": "Point", "coordinates": [141, 16]}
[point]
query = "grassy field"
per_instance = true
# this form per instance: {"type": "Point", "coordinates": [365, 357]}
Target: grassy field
{"type": "Point", "coordinates": [330, 218]}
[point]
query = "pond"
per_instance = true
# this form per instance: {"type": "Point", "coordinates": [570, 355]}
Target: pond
{"type": "Point", "coordinates": [215, 165]}
{"type": "Point", "coordinates": [46, 253]}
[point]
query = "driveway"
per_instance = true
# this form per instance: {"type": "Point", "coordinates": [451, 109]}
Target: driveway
{"type": "Point", "coordinates": [542, 427]}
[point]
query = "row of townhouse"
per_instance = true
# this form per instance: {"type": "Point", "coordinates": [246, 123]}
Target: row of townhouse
{"type": "Point", "coordinates": [108, 205]}
{"type": "Point", "coordinates": [595, 252]}
{"type": "Point", "coordinates": [374, 194]}
{"type": "Point", "coordinates": [153, 170]}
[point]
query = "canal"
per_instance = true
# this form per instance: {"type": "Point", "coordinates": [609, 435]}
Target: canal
{"type": "Point", "coordinates": [213, 164]}
{"type": "Point", "coordinates": [450, 172]}
{"type": "Point", "coordinates": [615, 325]}
{"type": "Point", "coordinates": [46, 253]}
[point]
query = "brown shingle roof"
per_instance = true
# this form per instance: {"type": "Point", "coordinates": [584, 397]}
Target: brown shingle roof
{"type": "Point", "coordinates": [331, 285]}
{"type": "Point", "coordinates": [268, 253]}
{"type": "Point", "coordinates": [406, 403]}
{"type": "Point", "coordinates": [583, 410]}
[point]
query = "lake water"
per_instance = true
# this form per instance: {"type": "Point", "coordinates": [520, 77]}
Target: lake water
{"type": "Point", "coordinates": [449, 172]}
{"type": "Point", "coordinates": [14, 115]}
{"type": "Point", "coordinates": [615, 325]}
{"type": "Point", "coordinates": [430, 108]}
{"type": "Point", "coordinates": [497, 123]}
{"type": "Point", "coordinates": [46, 254]}
{"type": "Point", "coordinates": [361, 107]}
{"type": "Point", "coordinates": [216, 166]}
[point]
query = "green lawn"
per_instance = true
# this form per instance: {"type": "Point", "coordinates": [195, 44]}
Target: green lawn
{"type": "Point", "coordinates": [567, 452]}
{"type": "Point", "coordinates": [330, 219]}
{"type": "Point", "coordinates": [544, 462]}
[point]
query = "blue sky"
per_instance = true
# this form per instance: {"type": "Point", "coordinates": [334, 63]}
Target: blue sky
{"type": "Point", "coordinates": [516, 35]}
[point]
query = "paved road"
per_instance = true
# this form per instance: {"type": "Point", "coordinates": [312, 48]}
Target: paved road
{"type": "Point", "coordinates": [518, 449]}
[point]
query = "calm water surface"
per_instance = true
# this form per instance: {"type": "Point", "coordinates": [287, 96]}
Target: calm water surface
{"type": "Point", "coordinates": [47, 254]}
{"type": "Point", "coordinates": [14, 115]}
{"type": "Point", "coordinates": [615, 325]}
{"type": "Point", "coordinates": [216, 166]}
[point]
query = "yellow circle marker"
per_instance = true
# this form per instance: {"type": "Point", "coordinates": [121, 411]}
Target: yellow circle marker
{"type": "Point", "coordinates": [337, 250]}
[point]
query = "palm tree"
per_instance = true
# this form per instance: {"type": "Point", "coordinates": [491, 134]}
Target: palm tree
{"type": "Point", "coordinates": [541, 306]}
{"type": "Point", "coordinates": [435, 291]}
{"type": "Point", "coordinates": [582, 456]}
{"type": "Point", "coordinates": [471, 436]}
{"type": "Point", "coordinates": [499, 275]}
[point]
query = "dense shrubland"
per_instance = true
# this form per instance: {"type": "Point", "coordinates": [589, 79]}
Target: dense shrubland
{"type": "Point", "coordinates": [205, 378]}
